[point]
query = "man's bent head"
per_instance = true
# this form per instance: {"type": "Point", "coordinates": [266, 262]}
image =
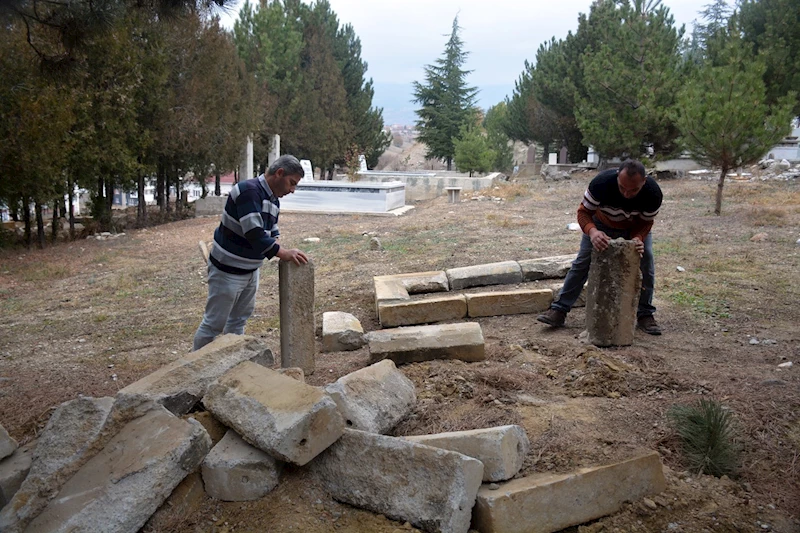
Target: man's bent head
{"type": "Point", "coordinates": [631, 178]}
{"type": "Point", "coordinates": [284, 174]}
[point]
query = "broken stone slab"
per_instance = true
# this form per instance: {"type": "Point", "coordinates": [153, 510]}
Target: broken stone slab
{"type": "Point", "coordinates": [420, 282]}
{"type": "Point", "coordinates": [294, 373]}
{"type": "Point", "coordinates": [434, 309]}
{"type": "Point", "coordinates": [546, 267]}
{"type": "Point", "coordinates": [580, 302]}
{"type": "Point", "coordinates": [288, 419]}
{"type": "Point", "coordinates": [388, 291]}
{"type": "Point", "coordinates": [119, 488]}
{"type": "Point", "coordinates": [503, 273]}
{"type": "Point", "coordinates": [341, 332]}
{"type": "Point", "coordinates": [235, 471]}
{"type": "Point", "coordinates": [296, 294]}
{"type": "Point", "coordinates": [215, 429]}
{"type": "Point", "coordinates": [13, 470]}
{"type": "Point", "coordinates": [612, 297]}
{"type": "Point", "coordinates": [374, 398]}
{"type": "Point", "coordinates": [7, 444]}
{"type": "Point", "coordinates": [431, 488]}
{"type": "Point", "coordinates": [501, 449]}
{"type": "Point", "coordinates": [462, 341]}
{"type": "Point", "coordinates": [179, 385]}
{"type": "Point", "coordinates": [544, 503]}
{"type": "Point", "coordinates": [508, 302]}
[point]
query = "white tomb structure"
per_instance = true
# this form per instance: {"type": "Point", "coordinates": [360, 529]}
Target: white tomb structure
{"type": "Point", "coordinates": [345, 197]}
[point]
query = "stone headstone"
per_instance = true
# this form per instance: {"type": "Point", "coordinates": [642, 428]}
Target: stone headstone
{"type": "Point", "coordinates": [552, 159]}
{"type": "Point", "coordinates": [296, 293]}
{"type": "Point", "coordinates": [308, 169]}
{"type": "Point", "coordinates": [531, 156]}
{"type": "Point", "coordinates": [612, 294]}
{"type": "Point", "coordinates": [562, 156]}
{"type": "Point", "coordinates": [362, 163]}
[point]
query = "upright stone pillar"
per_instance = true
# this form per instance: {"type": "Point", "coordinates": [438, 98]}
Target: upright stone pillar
{"type": "Point", "coordinates": [275, 150]}
{"type": "Point", "coordinates": [296, 291]}
{"type": "Point", "coordinates": [612, 294]}
{"type": "Point", "coordinates": [246, 167]}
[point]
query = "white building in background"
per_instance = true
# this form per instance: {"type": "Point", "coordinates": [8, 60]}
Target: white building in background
{"type": "Point", "coordinates": [789, 148]}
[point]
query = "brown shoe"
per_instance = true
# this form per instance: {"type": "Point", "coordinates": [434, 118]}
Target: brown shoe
{"type": "Point", "coordinates": [648, 325]}
{"type": "Point", "coordinates": [553, 317]}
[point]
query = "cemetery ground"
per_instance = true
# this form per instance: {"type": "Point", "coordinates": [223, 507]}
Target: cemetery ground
{"type": "Point", "coordinates": [90, 317]}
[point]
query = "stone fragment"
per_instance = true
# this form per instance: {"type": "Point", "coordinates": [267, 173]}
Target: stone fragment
{"type": "Point", "coordinates": [7, 444]}
{"type": "Point", "coordinates": [235, 471]}
{"type": "Point", "coordinates": [506, 272]}
{"type": "Point", "coordinates": [420, 282]}
{"type": "Point", "coordinates": [374, 398]}
{"type": "Point", "coordinates": [287, 419]}
{"type": "Point", "coordinates": [431, 488]}
{"type": "Point", "coordinates": [119, 488]}
{"type": "Point", "coordinates": [296, 293]}
{"type": "Point", "coordinates": [215, 429]}
{"type": "Point", "coordinates": [508, 302]}
{"type": "Point", "coordinates": [544, 503]}
{"type": "Point", "coordinates": [501, 449]}
{"type": "Point", "coordinates": [13, 470]}
{"type": "Point", "coordinates": [612, 295]}
{"type": "Point", "coordinates": [179, 385]}
{"type": "Point", "coordinates": [341, 332]}
{"type": "Point", "coordinates": [580, 302]}
{"type": "Point", "coordinates": [422, 343]}
{"type": "Point", "coordinates": [432, 309]}
{"type": "Point", "coordinates": [388, 289]}
{"type": "Point", "coordinates": [546, 267]}
{"type": "Point", "coordinates": [294, 373]}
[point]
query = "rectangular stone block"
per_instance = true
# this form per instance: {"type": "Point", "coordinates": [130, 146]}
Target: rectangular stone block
{"type": "Point", "coordinates": [388, 291]}
{"type": "Point", "coordinates": [503, 273]}
{"type": "Point", "coordinates": [546, 267]}
{"type": "Point", "coordinates": [284, 417]}
{"type": "Point", "coordinates": [296, 293]}
{"type": "Point", "coordinates": [433, 489]}
{"type": "Point", "coordinates": [580, 302]}
{"type": "Point", "coordinates": [341, 332]}
{"type": "Point", "coordinates": [118, 489]}
{"type": "Point", "coordinates": [13, 470]}
{"type": "Point", "coordinates": [420, 282]}
{"type": "Point", "coordinates": [502, 449]}
{"type": "Point", "coordinates": [235, 471]}
{"type": "Point", "coordinates": [423, 343]}
{"type": "Point", "coordinates": [544, 503]}
{"type": "Point", "coordinates": [7, 444]}
{"type": "Point", "coordinates": [436, 309]}
{"type": "Point", "coordinates": [508, 302]}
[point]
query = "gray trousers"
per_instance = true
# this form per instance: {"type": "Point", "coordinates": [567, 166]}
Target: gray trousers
{"type": "Point", "coordinates": [231, 301]}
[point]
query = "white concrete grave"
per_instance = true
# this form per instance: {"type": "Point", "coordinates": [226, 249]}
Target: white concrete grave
{"type": "Point", "coordinates": [345, 197]}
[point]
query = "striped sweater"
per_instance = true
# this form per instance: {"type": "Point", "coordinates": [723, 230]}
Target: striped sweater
{"type": "Point", "coordinates": [248, 228]}
{"type": "Point", "coordinates": [603, 202]}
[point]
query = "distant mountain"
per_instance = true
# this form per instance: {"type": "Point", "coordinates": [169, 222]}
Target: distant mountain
{"type": "Point", "coordinates": [395, 99]}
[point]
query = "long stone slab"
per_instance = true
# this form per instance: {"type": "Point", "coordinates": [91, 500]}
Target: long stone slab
{"type": "Point", "coordinates": [374, 398]}
{"type": "Point", "coordinates": [503, 273]}
{"type": "Point", "coordinates": [296, 294]}
{"type": "Point", "coordinates": [508, 302]}
{"type": "Point", "coordinates": [501, 449]}
{"type": "Point", "coordinates": [435, 309]}
{"type": "Point", "coordinates": [7, 444]}
{"type": "Point", "coordinates": [420, 282]}
{"type": "Point", "coordinates": [546, 267]}
{"type": "Point", "coordinates": [179, 385]}
{"type": "Point", "coordinates": [13, 470]}
{"type": "Point", "coordinates": [388, 291]}
{"type": "Point", "coordinates": [544, 503]}
{"type": "Point", "coordinates": [463, 341]}
{"type": "Point", "coordinates": [287, 419]}
{"type": "Point", "coordinates": [235, 471]}
{"type": "Point", "coordinates": [431, 488]}
{"type": "Point", "coordinates": [119, 488]}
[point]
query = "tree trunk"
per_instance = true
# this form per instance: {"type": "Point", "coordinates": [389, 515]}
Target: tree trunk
{"type": "Point", "coordinates": [107, 215]}
{"type": "Point", "coordinates": [141, 207]}
{"type": "Point", "coordinates": [55, 221]}
{"type": "Point", "coordinates": [236, 175]}
{"type": "Point", "coordinates": [449, 163]}
{"type": "Point", "coordinates": [718, 204]}
{"type": "Point", "coordinates": [26, 217]}
{"type": "Point", "coordinates": [217, 184]}
{"type": "Point", "coordinates": [167, 174]}
{"type": "Point", "coordinates": [39, 225]}
{"type": "Point", "coordinates": [71, 189]}
{"type": "Point", "coordinates": [160, 172]}
{"type": "Point", "coordinates": [14, 205]}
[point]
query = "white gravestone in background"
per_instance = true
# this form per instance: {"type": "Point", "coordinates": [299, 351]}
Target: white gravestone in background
{"type": "Point", "coordinates": [362, 163]}
{"type": "Point", "coordinates": [552, 159]}
{"type": "Point", "coordinates": [308, 169]}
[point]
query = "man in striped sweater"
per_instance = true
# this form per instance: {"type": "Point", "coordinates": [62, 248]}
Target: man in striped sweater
{"type": "Point", "coordinates": [247, 234]}
{"type": "Point", "coordinates": [623, 203]}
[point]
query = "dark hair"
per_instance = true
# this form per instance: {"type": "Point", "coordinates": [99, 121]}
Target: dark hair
{"type": "Point", "coordinates": [632, 166]}
{"type": "Point", "coordinates": [290, 165]}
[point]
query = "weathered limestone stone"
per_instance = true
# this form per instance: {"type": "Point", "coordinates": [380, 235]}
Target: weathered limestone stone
{"type": "Point", "coordinates": [501, 449]}
{"type": "Point", "coordinates": [296, 293]}
{"type": "Point", "coordinates": [431, 488]}
{"type": "Point", "coordinates": [508, 302]}
{"type": "Point", "coordinates": [435, 309]}
{"type": "Point", "coordinates": [422, 343]}
{"type": "Point", "coordinates": [420, 282]}
{"type": "Point", "coordinates": [294, 373]}
{"type": "Point", "coordinates": [7, 444]}
{"type": "Point", "coordinates": [215, 429]}
{"type": "Point", "coordinates": [612, 296]}
{"type": "Point", "coordinates": [341, 332]}
{"type": "Point", "coordinates": [119, 488]}
{"type": "Point", "coordinates": [544, 503]}
{"type": "Point", "coordinates": [234, 471]}
{"type": "Point", "coordinates": [179, 385]}
{"type": "Point", "coordinates": [506, 272]}
{"type": "Point", "coordinates": [546, 267]}
{"type": "Point", "coordinates": [13, 470]}
{"type": "Point", "coordinates": [287, 419]}
{"type": "Point", "coordinates": [388, 289]}
{"type": "Point", "coordinates": [580, 302]}
{"type": "Point", "coordinates": [374, 398]}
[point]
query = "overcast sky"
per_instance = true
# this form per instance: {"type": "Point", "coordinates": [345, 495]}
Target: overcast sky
{"type": "Point", "coordinates": [399, 38]}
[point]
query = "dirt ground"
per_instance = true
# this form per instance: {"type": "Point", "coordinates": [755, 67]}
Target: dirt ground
{"type": "Point", "coordinates": [90, 317]}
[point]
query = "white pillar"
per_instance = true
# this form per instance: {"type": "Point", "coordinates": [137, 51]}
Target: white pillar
{"type": "Point", "coordinates": [275, 151]}
{"type": "Point", "coordinates": [246, 166]}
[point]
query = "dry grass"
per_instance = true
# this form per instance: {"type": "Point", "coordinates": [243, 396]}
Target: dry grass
{"type": "Point", "coordinates": [767, 216]}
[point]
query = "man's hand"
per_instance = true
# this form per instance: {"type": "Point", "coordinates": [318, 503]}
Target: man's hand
{"type": "Point", "coordinates": [294, 255]}
{"type": "Point", "coordinates": [599, 239]}
{"type": "Point", "coordinates": [639, 245]}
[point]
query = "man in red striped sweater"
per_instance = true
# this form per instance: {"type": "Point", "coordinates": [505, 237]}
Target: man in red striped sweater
{"type": "Point", "coordinates": [622, 203]}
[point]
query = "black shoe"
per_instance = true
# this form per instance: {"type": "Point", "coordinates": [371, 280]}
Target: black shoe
{"type": "Point", "coordinates": [648, 325]}
{"type": "Point", "coordinates": [553, 317]}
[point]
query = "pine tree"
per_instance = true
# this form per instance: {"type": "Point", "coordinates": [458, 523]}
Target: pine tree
{"type": "Point", "coordinates": [447, 102]}
{"type": "Point", "coordinates": [472, 152]}
{"type": "Point", "coordinates": [496, 138]}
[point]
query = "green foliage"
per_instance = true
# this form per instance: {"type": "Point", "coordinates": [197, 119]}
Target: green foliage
{"type": "Point", "coordinates": [708, 435]}
{"type": "Point", "coordinates": [447, 102]}
{"type": "Point", "coordinates": [472, 151]}
{"type": "Point", "coordinates": [496, 138]}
